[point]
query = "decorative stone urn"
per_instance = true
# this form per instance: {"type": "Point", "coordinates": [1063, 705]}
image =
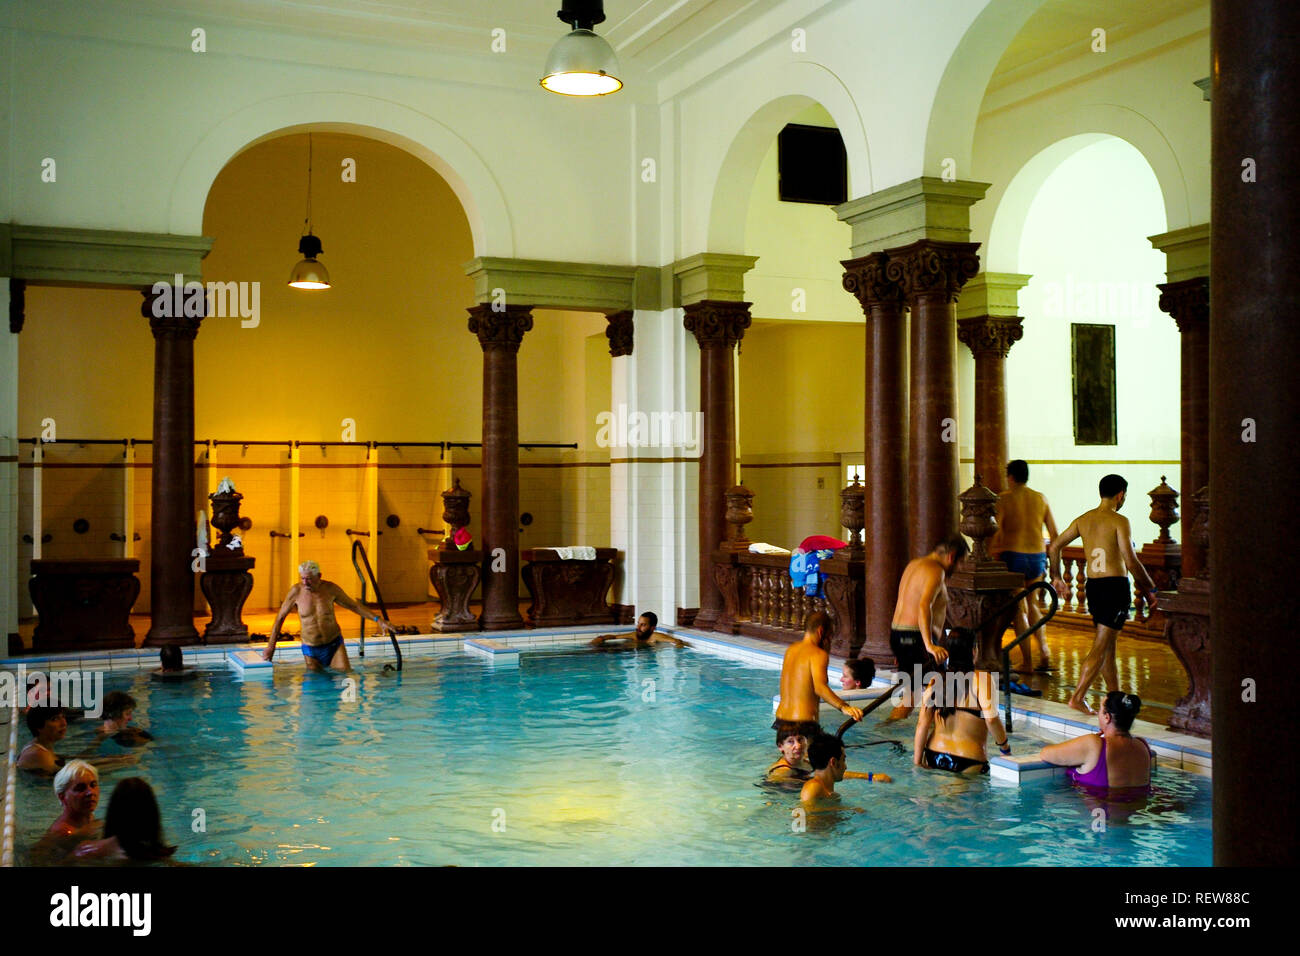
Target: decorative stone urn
{"type": "Point", "coordinates": [455, 512]}
{"type": "Point", "coordinates": [740, 512]}
{"type": "Point", "coordinates": [225, 517]}
{"type": "Point", "coordinates": [853, 516]}
{"type": "Point", "coordinates": [227, 581]}
{"type": "Point", "coordinates": [980, 585]}
{"type": "Point", "coordinates": [1164, 509]}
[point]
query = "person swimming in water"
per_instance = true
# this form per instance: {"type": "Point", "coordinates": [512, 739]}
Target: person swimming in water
{"type": "Point", "coordinates": [643, 636]}
{"type": "Point", "coordinates": [322, 639]}
{"type": "Point", "coordinates": [132, 828]}
{"type": "Point", "coordinates": [958, 711]}
{"type": "Point", "coordinates": [803, 683]}
{"type": "Point", "coordinates": [857, 673]}
{"type": "Point", "coordinates": [48, 726]}
{"type": "Point", "coordinates": [1112, 759]}
{"type": "Point", "coordinates": [793, 764]}
{"type": "Point", "coordinates": [826, 754]}
{"type": "Point", "coordinates": [119, 709]}
{"type": "Point", "coordinates": [76, 786]}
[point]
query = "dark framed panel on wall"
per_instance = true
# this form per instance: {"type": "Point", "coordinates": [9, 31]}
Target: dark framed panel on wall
{"type": "Point", "coordinates": [1092, 367]}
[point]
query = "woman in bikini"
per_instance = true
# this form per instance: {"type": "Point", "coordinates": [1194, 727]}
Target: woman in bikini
{"type": "Point", "coordinates": [1112, 759]}
{"type": "Point", "coordinates": [958, 713]}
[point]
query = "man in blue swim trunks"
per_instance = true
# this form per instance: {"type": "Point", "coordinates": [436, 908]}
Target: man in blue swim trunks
{"type": "Point", "coordinates": [1022, 514]}
{"type": "Point", "coordinates": [322, 640]}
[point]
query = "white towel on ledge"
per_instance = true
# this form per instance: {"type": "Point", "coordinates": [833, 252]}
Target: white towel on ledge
{"type": "Point", "coordinates": [760, 547]}
{"type": "Point", "coordinates": [576, 554]}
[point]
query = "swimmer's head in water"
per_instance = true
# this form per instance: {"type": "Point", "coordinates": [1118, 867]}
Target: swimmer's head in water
{"type": "Point", "coordinates": [793, 747]}
{"type": "Point", "coordinates": [824, 750]}
{"type": "Point", "coordinates": [39, 717]}
{"type": "Point", "coordinates": [857, 672]}
{"type": "Point", "coordinates": [1122, 709]}
{"type": "Point", "coordinates": [77, 782]}
{"type": "Point", "coordinates": [646, 624]}
{"type": "Point", "coordinates": [309, 574]}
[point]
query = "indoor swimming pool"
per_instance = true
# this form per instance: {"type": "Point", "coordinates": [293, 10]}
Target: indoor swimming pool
{"type": "Point", "coordinates": [574, 757]}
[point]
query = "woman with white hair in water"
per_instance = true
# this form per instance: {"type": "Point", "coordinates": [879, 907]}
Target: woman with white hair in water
{"type": "Point", "coordinates": [76, 786]}
{"type": "Point", "coordinates": [1110, 760]}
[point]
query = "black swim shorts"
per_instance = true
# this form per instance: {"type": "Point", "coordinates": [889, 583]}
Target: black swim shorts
{"type": "Point", "coordinates": [1108, 601]}
{"type": "Point", "coordinates": [909, 650]}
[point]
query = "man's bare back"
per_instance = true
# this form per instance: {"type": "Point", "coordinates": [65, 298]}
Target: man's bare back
{"type": "Point", "coordinates": [1107, 538]}
{"type": "Point", "coordinates": [1022, 512]}
{"type": "Point", "coordinates": [803, 677]}
{"type": "Point", "coordinates": [922, 594]}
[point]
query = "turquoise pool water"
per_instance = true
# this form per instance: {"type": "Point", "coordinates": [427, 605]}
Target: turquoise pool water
{"type": "Point", "coordinates": [575, 757]}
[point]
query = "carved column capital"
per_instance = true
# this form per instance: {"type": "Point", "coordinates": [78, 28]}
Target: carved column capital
{"type": "Point", "coordinates": [933, 267]}
{"type": "Point", "coordinates": [620, 333]}
{"type": "Point", "coordinates": [17, 304]}
{"type": "Point", "coordinates": [716, 324]}
{"type": "Point", "coordinates": [990, 333]}
{"type": "Point", "coordinates": [1187, 301]}
{"type": "Point", "coordinates": [500, 327]}
{"type": "Point", "coordinates": [866, 278]}
{"type": "Point", "coordinates": [172, 312]}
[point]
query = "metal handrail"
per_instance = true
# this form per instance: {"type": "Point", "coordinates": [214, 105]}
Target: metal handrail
{"type": "Point", "coordinates": [358, 547]}
{"type": "Point", "coordinates": [1020, 638]}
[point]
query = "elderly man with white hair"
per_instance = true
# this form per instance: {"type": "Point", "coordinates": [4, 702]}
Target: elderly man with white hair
{"type": "Point", "coordinates": [322, 640]}
{"type": "Point", "coordinates": [77, 787]}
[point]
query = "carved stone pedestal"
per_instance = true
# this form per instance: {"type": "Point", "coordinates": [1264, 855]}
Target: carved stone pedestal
{"type": "Point", "coordinates": [83, 603]}
{"type": "Point", "coordinates": [1187, 628]}
{"type": "Point", "coordinates": [454, 575]}
{"type": "Point", "coordinates": [226, 584]}
{"type": "Point", "coordinates": [845, 598]}
{"type": "Point", "coordinates": [727, 575]}
{"type": "Point", "coordinates": [981, 585]}
{"type": "Point", "coordinates": [569, 592]}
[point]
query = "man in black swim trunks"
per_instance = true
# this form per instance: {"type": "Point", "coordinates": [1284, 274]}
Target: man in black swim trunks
{"type": "Point", "coordinates": [919, 617]}
{"type": "Point", "coordinates": [1108, 548]}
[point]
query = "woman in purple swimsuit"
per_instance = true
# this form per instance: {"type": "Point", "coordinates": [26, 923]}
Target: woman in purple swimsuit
{"type": "Point", "coordinates": [1110, 760]}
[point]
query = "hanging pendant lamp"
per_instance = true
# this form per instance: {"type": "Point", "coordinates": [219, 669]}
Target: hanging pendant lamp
{"type": "Point", "coordinates": [309, 274]}
{"type": "Point", "coordinates": [582, 64]}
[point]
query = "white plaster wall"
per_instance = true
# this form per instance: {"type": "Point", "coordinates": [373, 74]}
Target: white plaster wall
{"type": "Point", "coordinates": [874, 65]}
{"type": "Point", "coordinates": [1088, 226]}
{"type": "Point", "coordinates": [139, 126]}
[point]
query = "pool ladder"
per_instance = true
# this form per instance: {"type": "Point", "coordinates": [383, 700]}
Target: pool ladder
{"type": "Point", "coordinates": [1020, 638]}
{"type": "Point", "coordinates": [358, 549]}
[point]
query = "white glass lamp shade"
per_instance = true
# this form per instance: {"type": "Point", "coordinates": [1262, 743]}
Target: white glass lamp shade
{"type": "Point", "coordinates": [582, 64]}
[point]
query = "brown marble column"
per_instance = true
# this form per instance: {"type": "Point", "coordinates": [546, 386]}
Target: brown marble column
{"type": "Point", "coordinates": [171, 575]}
{"type": "Point", "coordinates": [931, 273]}
{"type": "Point", "coordinates": [885, 494]}
{"type": "Point", "coordinates": [990, 337]}
{"type": "Point", "coordinates": [499, 334]}
{"type": "Point", "coordinates": [1254, 407]}
{"type": "Point", "coordinates": [1189, 304]}
{"type": "Point", "coordinates": [717, 327]}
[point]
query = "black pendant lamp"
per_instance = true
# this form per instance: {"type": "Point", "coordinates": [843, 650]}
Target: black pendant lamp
{"type": "Point", "coordinates": [309, 274]}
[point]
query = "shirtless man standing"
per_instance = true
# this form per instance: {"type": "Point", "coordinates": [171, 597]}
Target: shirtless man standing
{"type": "Point", "coordinates": [920, 613]}
{"type": "Point", "coordinates": [803, 683]}
{"type": "Point", "coordinates": [1108, 544]}
{"type": "Point", "coordinates": [322, 640]}
{"type": "Point", "coordinates": [1022, 513]}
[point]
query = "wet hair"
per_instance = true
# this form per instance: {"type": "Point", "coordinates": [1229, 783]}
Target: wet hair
{"type": "Point", "coordinates": [309, 567]}
{"type": "Point", "coordinates": [652, 617]}
{"type": "Point", "coordinates": [786, 733]}
{"type": "Point", "coordinates": [69, 772]}
{"type": "Point", "coordinates": [117, 703]}
{"type": "Point", "coordinates": [960, 643]}
{"type": "Point", "coordinates": [1111, 485]}
{"type": "Point", "coordinates": [1018, 471]}
{"type": "Point", "coordinates": [822, 749]}
{"type": "Point", "coordinates": [134, 819]}
{"type": "Point", "coordinates": [38, 717]}
{"type": "Point", "coordinates": [1123, 708]}
{"type": "Point", "coordinates": [955, 545]}
{"type": "Point", "coordinates": [817, 621]}
{"type": "Point", "coordinates": [861, 669]}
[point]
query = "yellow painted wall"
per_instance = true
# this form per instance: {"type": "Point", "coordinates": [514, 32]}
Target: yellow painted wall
{"type": "Point", "coordinates": [388, 346]}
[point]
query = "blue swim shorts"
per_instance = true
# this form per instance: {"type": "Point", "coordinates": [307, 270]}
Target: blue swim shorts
{"type": "Point", "coordinates": [322, 654]}
{"type": "Point", "coordinates": [1030, 566]}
